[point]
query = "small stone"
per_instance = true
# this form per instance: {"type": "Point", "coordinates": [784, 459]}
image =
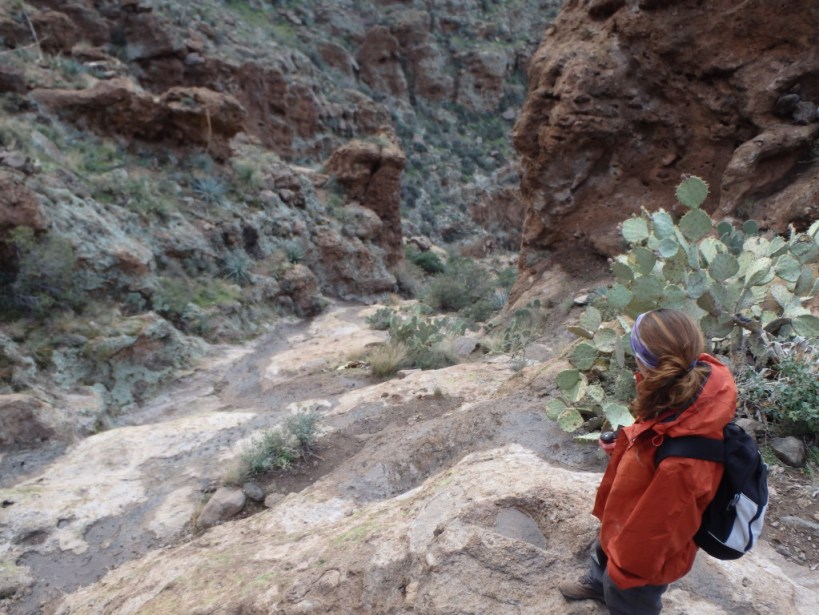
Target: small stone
{"type": "Point", "coordinates": [509, 115]}
{"type": "Point", "coordinates": [193, 59]}
{"type": "Point", "coordinates": [253, 491]}
{"type": "Point", "coordinates": [783, 550]}
{"type": "Point", "coordinates": [581, 300]}
{"type": "Point", "coordinates": [775, 524]}
{"type": "Point", "coordinates": [786, 104]}
{"type": "Point", "coordinates": [805, 113]}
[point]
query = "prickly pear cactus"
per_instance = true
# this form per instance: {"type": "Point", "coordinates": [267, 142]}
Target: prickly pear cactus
{"type": "Point", "coordinates": [746, 290]}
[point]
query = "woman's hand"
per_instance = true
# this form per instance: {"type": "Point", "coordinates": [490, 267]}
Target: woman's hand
{"type": "Point", "coordinates": [607, 442]}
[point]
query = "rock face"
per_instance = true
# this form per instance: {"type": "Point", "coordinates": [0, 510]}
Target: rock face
{"type": "Point", "coordinates": [625, 97]}
{"type": "Point", "coordinates": [28, 421]}
{"type": "Point", "coordinates": [371, 174]}
{"type": "Point", "coordinates": [181, 115]}
{"type": "Point", "coordinates": [467, 541]}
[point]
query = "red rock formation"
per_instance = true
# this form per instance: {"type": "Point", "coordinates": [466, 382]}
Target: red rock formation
{"type": "Point", "coordinates": [370, 171]}
{"type": "Point", "coordinates": [18, 205]}
{"type": "Point", "coordinates": [186, 115]}
{"type": "Point", "coordinates": [626, 96]}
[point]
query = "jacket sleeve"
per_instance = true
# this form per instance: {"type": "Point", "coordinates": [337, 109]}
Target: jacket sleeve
{"type": "Point", "coordinates": [663, 521]}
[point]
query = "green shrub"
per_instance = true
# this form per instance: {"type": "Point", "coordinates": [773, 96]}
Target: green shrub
{"type": "Point", "coordinates": [268, 452]}
{"type": "Point", "coordinates": [47, 276]}
{"type": "Point", "coordinates": [462, 284]}
{"type": "Point", "coordinates": [173, 294]}
{"type": "Point", "coordinates": [786, 393]}
{"type": "Point", "coordinates": [408, 278]}
{"type": "Point", "coordinates": [428, 261]}
{"type": "Point", "coordinates": [426, 339]}
{"type": "Point", "coordinates": [209, 189]}
{"type": "Point", "coordinates": [276, 449]}
{"type": "Point", "coordinates": [236, 268]}
{"type": "Point", "coordinates": [304, 428]}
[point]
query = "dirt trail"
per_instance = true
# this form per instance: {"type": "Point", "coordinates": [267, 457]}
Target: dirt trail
{"type": "Point", "coordinates": [136, 487]}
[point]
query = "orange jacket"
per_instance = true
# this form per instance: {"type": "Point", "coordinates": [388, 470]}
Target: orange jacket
{"type": "Point", "coordinates": [649, 515]}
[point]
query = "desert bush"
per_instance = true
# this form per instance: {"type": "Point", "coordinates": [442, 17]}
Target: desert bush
{"type": "Point", "coordinates": [785, 393]}
{"type": "Point", "coordinates": [744, 290]}
{"type": "Point", "coordinates": [428, 261]}
{"type": "Point", "coordinates": [462, 285]}
{"type": "Point", "coordinates": [173, 294]}
{"type": "Point", "coordinates": [386, 359]}
{"type": "Point", "coordinates": [276, 449]}
{"type": "Point", "coordinates": [47, 277]}
{"type": "Point", "coordinates": [236, 268]}
{"type": "Point", "coordinates": [209, 189]}
{"type": "Point", "coordinates": [409, 279]}
{"type": "Point", "coordinates": [304, 428]}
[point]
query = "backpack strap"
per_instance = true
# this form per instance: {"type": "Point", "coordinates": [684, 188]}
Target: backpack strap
{"type": "Point", "coordinates": [696, 447]}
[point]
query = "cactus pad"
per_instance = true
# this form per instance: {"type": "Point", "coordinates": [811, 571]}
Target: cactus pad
{"type": "Point", "coordinates": [619, 296]}
{"type": "Point", "coordinates": [663, 224]}
{"type": "Point", "coordinates": [583, 356]}
{"type": "Point", "coordinates": [806, 325]}
{"type": "Point", "coordinates": [692, 192]}
{"type": "Point", "coordinates": [645, 260]}
{"type": "Point", "coordinates": [554, 408]}
{"type": "Point", "coordinates": [617, 415]}
{"type": "Point", "coordinates": [591, 319]}
{"type": "Point", "coordinates": [570, 419]}
{"type": "Point", "coordinates": [723, 266]}
{"type": "Point", "coordinates": [695, 225]}
{"type": "Point", "coordinates": [635, 230]}
{"type": "Point", "coordinates": [668, 247]}
{"type": "Point", "coordinates": [605, 340]}
{"type": "Point", "coordinates": [622, 272]}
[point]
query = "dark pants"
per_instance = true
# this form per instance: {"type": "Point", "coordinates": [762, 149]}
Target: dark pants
{"type": "Point", "coordinates": [645, 600]}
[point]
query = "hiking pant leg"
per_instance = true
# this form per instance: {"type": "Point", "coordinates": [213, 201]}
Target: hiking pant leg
{"type": "Point", "coordinates": [645, 600]}
{"type": "Point", "coordinates": [597, 568]}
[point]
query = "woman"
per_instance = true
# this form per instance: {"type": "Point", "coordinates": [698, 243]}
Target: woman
{"type": "Point", "coordinates": [649, 514]}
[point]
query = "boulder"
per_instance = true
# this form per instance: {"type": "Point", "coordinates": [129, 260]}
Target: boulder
{"type": "Point", "coordinates": [28, 421]}
{"type": "Point", "coordinates": [348, 268]}
{"type": "Point", "coordinates": [300, 285]}
{"type": "Point", "coordinates": [789, 450]}
{"type": "Point", "coordinates": [227, 502]}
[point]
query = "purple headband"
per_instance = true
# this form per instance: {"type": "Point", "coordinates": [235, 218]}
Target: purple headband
{"type": "Point", "coordinates": [638, 348]}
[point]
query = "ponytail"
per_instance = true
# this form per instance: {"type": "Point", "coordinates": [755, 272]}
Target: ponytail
{"type": "Point", "coordinates": [669, 343]}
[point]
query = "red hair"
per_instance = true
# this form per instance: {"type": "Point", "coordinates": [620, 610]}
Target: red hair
{"type": "Point", "coordinates": [675, 340]}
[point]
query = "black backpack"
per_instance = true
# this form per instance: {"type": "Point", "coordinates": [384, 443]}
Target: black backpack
{"type": "Point", "coordinates": [733, 520]}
